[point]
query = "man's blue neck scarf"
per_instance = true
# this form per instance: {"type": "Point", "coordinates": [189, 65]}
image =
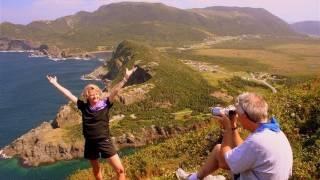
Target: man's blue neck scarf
{"type": "Point", "coordinates": [272, 125]}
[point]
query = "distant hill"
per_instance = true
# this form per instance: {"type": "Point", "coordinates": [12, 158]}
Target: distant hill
{"type": "Point", "coordinates": [236, 20]}
{"type": "Point", "coordinates": [307, 27]}
{"type": "Point", "coordinates": [154, 23]}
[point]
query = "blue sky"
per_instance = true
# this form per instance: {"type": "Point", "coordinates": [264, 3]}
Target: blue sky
{"type": "Point", "coordinates": [26, 11]}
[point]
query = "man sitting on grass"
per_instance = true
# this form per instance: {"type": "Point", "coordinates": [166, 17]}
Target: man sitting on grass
{"type": "Point", "coordinates": [264, 154]}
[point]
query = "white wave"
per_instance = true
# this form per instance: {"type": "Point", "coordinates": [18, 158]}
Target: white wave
{"type": "Point", "coordinates": [89, 79]}
{"type": "Point", "coordinates": [16, 51]}
{"type": "Point", "coordinates": [3, 155]}
{"type": "Point", "coordinates": [36, 56]}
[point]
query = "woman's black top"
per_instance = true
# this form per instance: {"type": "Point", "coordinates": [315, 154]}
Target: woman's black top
{"type": "Point", "coordinates": [95, 124]}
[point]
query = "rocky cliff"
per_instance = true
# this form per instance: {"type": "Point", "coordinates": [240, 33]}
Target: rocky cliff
{"type": "Point", "coordinates": [48, 142]}
{"type": "Point", "coordinates": [39, 49]}
{"type": "Point", "coordinates": [7, 44]}
{"type": "Point", "coordinates": [114, 67]}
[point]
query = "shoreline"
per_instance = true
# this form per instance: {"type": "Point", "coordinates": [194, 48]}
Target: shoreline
{"type": "Point", "coordinates": [77, 56]}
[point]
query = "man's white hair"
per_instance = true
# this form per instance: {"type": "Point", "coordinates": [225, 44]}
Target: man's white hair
{"type": "Point", "coordinates": [254, 106]}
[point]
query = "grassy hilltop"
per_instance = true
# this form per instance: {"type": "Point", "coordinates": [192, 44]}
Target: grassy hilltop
{"type": "Point", "coordinates": [177, 90]}
{"type": "Point", "coordinates": [179, 97]}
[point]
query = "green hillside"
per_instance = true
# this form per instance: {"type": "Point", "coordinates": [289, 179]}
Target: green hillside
{"type": "Point", "coordinates": [153, 23]}
{"type": "Point", "coordinates": [176, 88]}
{"type": "Point", "coordinates": [296, 107]}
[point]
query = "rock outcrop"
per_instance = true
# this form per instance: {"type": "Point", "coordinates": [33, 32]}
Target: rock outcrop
{"type": "Point", "coordinates": [154, 133]}
{"type": "Point", "coordinates": [97, 74]}
{"type": "Point", "coordinates": [131, 95]}
{"type": "Point", "coordinates": [7, 44]}
{"type": "Point", "coordinates": [67, 116]}
{"type": "Point", "coordinates": [38, 49]}
{"type": "Point", "coordinates": [121, 57]}
{"type": "Point", "coordinates": [44, 144]}
{"type": "Point", "coordinates": [48, 142]}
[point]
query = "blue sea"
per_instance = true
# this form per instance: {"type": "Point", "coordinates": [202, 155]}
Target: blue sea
{"type": "Point", "coordinates": [27, 100]}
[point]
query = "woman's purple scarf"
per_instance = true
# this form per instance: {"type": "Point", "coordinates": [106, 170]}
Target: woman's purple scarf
{"type": "Point", "coordinates": [98, 106]}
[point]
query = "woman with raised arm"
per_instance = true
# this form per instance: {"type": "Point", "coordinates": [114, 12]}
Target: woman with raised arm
{"type": "Point", "coordinates": [95, 123]}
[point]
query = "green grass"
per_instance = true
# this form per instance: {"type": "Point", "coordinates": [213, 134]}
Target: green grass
{"type": "Point", "coordinates": [230, 63]}
{"type": "Point", "coordinates": [183, 114]}
{"type": "Point", "coordinates": [288, 58]}
{"type": "Point", "coordinates": [298, 111]}
{"type": "Point", "coordinates": [74, 133]}
{"type": "Point", "coordinates": [264, 42]}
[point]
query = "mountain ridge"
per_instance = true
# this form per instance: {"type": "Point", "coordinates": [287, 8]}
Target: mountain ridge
{"type": "Point", "coordinates": [152, 23]}
{"type": "Point", "coordinates": [307, 27]}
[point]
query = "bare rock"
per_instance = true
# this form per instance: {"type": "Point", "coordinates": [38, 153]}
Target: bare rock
{"type": "Point", "coordinates": [134, 94]}
{"type": "Point", "coordinates": [7, 44]}
{"type": "Point", "coordinates": [97, 74]}
{"type": "Point", "coordinates": [67, 116]}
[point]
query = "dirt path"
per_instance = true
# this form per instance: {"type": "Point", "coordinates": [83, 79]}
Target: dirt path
{"type": "Point", "coordinates": [263, 81]}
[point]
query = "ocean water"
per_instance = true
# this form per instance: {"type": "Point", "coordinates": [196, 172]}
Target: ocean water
{"type": "Point", "coordinates": [27, 99]}
{"type": "Point", "coordinates": [11, 170]}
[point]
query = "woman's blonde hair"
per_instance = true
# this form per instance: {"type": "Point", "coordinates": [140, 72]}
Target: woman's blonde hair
{"type": "Point", "coordinates": [90, 87]}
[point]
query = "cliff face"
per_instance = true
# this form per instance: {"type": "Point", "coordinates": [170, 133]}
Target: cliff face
{"type": "Point", "coordinates": [154, 133]}
{"type": "Point", "coordinates": [130, 95]}
{"type": "Point", "coordinates": [48, 142]}
{"type": "Point", "coordinates": [7, 44]}
{"type": "Point", "coordinates": [38, 49]}
{"type": "Point", "coordinates": [113, 68]}
{"type": "Point", "coordinates": [67, 116]}
{"type": "Point", "coordinates": [43, 144]}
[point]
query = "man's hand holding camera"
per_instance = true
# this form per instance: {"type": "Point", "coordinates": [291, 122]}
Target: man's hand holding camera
{"type": "Point", "coordinates": [227, 117]}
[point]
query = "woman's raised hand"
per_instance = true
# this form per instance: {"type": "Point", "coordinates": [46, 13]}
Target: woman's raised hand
{"type": "Point", "coordinates": [52, 79]}
{"type": "Point", "coordinates": [129, 72]}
